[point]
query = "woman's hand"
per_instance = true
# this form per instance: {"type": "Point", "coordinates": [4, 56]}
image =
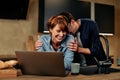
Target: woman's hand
{"type": "Point", "coordinates": [73, 45]}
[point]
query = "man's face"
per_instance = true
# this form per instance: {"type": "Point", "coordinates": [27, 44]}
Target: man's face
{"type": "Point", "coordinates": [73, 27]}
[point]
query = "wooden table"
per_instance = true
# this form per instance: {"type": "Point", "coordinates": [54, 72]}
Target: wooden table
{"type": "Point", "coordinates": [111, 76]}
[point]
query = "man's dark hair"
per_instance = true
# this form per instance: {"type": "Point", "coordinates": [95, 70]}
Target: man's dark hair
{"type": "Point", "coordinates": [68, 15]}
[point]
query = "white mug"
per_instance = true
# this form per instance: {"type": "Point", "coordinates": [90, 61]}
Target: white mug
{"type": "Point", "coordinates": [75, 68]}
{"type": "Point", "coordinates": [118, 61]}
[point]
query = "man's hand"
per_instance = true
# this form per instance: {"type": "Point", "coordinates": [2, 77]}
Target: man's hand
{"type": "Point", "coordinates": [38, 43]}
{"type": "Point", "coordinates": [73, 45]}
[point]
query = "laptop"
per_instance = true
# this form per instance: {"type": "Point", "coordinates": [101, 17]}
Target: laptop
{"type": "Point", "coordinates": [41, 63]}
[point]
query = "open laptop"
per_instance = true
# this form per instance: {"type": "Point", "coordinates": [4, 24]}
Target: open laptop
{"type": "Point", "coordinates": [41, 63]}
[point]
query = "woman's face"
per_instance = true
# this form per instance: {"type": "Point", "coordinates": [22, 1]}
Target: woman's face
{"type": "Point", "coordinates": [57, 34]}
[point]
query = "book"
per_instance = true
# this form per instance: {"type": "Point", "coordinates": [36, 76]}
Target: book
{"type": "Point", "coordinates": [6, 73]}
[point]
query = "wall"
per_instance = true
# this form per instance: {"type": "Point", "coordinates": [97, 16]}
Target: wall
{"type": "Point", "coordinates": [14, 33]}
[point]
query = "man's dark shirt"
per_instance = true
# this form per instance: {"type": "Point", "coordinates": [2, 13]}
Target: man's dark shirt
{"type": "Point", "coordinates": [90, 39]}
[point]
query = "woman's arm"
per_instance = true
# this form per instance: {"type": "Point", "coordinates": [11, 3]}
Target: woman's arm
{"type": "Point", "coordinates": [68, 58]}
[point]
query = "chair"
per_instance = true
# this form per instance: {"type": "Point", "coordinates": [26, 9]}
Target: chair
{"type": "Point", "coordinates": [104, 65]}
{"type": "Point", "coordinates": [30, 44]}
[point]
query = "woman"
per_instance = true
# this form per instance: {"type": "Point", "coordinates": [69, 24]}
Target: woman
{"type": "Point", "coordinates": [57, 39]}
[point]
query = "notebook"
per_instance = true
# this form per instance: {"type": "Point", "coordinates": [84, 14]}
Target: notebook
{"type": "Point", "coordinates": [41, 63]}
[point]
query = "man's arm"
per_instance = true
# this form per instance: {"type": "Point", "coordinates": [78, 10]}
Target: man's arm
{"type": "Point", "coordinates": [73, 46]}
{"type": "Point", "coordinates": [38, 43]}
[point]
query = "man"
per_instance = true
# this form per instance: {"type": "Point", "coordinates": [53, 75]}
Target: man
{"type": "Point", "coordinates": [87, 43]}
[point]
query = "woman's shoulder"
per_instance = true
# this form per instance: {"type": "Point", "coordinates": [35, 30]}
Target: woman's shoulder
{"type": "Point", "coordinates": [69, 37]}
{"type": "Point", "coordinates": [45, 36]}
